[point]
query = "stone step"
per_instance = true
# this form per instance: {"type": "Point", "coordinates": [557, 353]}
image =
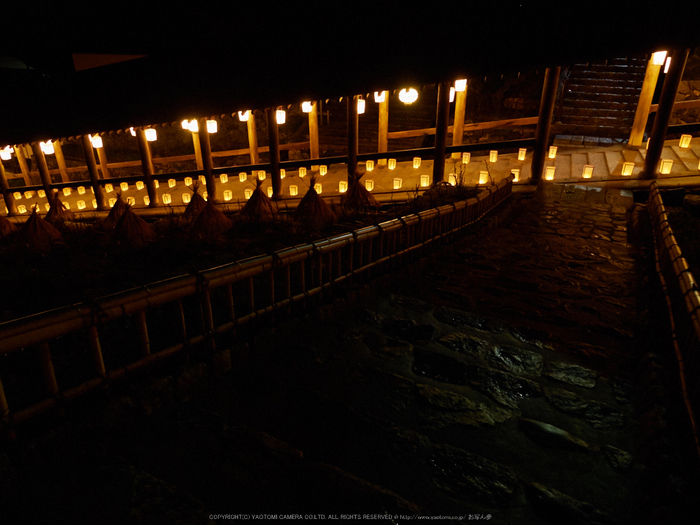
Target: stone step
{"type": "Point", "coordinates": [613, 161]}
{"type": "Point", "coordinates": [578, 161]}
{"type": "Point", "coordinates": [579, 86]}
{"type": "Point", "coordinates": [687, 157]}
{"type": "Point", "coordinates": [597, 158]}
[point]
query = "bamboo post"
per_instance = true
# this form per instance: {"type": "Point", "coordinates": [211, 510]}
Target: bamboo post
{"type": "Point", "coordinates": [383, 145]}
{"type": "Point", "coordinates": [43, 170]}
{"type": "Point", "coordinates": [207, 161]}
{"type": "Point", "coordinates": [645, 98]}
{"type": "Point", "coordinates": [47, 370]}
{"type": "Point", "coordinates": [60, 160]}
{"type": "Point", "coordinates": [197, 150]}
{"type": "Point", "coordinates": [274, 145]}
{"type": "Point", "coordinates": [102, 156]}
{"type": "Point", "coordinates": [663, 114]}
{"type": "Point", "coordinates": [147, 166]}
{"type": "Point", "coordinates": [253, 138]}
{"type": "Point", "coordinates": [92, 171]}
{"type": "Point", "coordinates": [23, 166]}
{"type": "Point", "coordinates": [544, 122]}
{"type": "Point", "coordinates": [314, 148]}
{"type": "Point", "coordinates": [443, 112]}
{"type": "Point", "coordinates": [6, 193]}
{"type": "Point", "coordinates": [142, 329]}
{"type": "Point", "coordinates": [458, 128]}
{"type": "Point", "coordinates": [353, 138]}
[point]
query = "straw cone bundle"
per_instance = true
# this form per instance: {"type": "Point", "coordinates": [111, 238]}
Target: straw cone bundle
{"type": "Point", "coordinates": [210, 225]}
{"type": "Point", "coordinates": [39, 234]}
{"type": "Point", "coordinates": [358, 197]}
{"type": "Point", "coordinates": [115, 213]}
{"type": "Point", "coordinates": [196, 204]}
{"type": "Point", "coordinates": [7, 227]}
{"type": "Point", "coordinates": [132, 230]}
{"type": "Point", "coordinates": [259, 206]}
{"type": "Point", "coordinates": [313, 210]}
{"type": "Point", "coordinates": [58, 213]}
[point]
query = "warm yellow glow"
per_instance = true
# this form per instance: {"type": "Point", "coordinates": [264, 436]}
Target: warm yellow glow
{"type": "Point", "coordinates": [322, 169]}
{"type": "Point", "coordinates": [109, 188]}
{"type": "Point", "coordinates": [67, 191]}
{"type": "Point", "coordinates": [658, 58]}
{"type": "Point", "coordinates": [23, 209]}
{"type": "Point", "coordinates": [186, 197]}
{"type": "Point", "coordinates": [306, 107]}
{"type": "Point", "coordinates": [302, 172]}
{"type": "Point", "coordinates": [261, 175]}
{"type": "Point", "coordinates": [369, 185]}
{"type": "Point", "coordinates": [666, 165]}
{"type": "Point", "coordinates": [466, 157]}
{"type": "Point", "coordinates": [379, 96]}
{"type": "Point", "coordinates": [212, 126]}
{"type": "Point", "coordinates": [112, 201]}
{"type": "Point", "coordinates": [96, 141]}
{"type": "Point", "coordinates": [193, 125]}
{"type": "Point", "coordinates": [81, 190]}
{"type": "Point", "coordinates": [685, 141]}
{"type": "Point", "coordinates": [360, 106]}
{"type": "Point", "coordinates": [151, 134]}
{"type": "Point", "coordinates": [124, 186]}
{"type": "Point", "coordinates": [493, 155]}
{"type": "Point", "coordinates": [243, 116]}
{"type": "Point", "coordinates": [47, 207]}
{"type": "Point", "coordinates": [424, 181]}
{"type": "Point", "coordinates": [398, 183]}
{"type": "Point", "coordinates": [6, 153]}
{"type": "Point", "coordinates": [188, 181]}
{"type": "Point", "coordinates": [17, 195]}
{"type": "Point", "coordinates": [293, 190]}
{"type": "Point", "coordinates": [369, 165]}
{"type": "Point", "coordinates": [408, 96]}
{"type": "Point", "coordinates": [41, 194]}
{"type": "Point", "coordinates": [185, 124]}
{"type": "Point", "coordinates": [521, 153]}
{"type": "Point", "coordinates": [146, 200]}
{"type": "Point", "coordinates": [483, 177]}
{"type": "Point", "coordinates": [205, 195]}
{"type": "Point", "coordinates": [66, 205]}
{"type": "Point", "coordinates": [167, 199]}
{"type": "Point", "coordinates": [46, 147]}
{"type": "Point", "coordinates": [248, 193]}
{"type": "Point", "coordinates": [283, 173]}
{"type": "Point", "coordinates": [129, 200]}
{"type": "Point", "coordinates": [452, 179]}
{"type": "Point", "coordinates": [627, 168]}
{"type": "Point", "coordinates": [223, 178]}
{"type": "Point", "coordinates": [452, 94]}
{"type": "Point", "coordinates": [94, 203]}
{"type": "Point", "coordinates": [416, 162]}
{"type": "Point", "coordinates": [139, 185]}
{"type": "Point", "coordinates": [281, 116]}
{"type": "Point", "coordinates": [228, 195]}
{"type": "Point", "coordinates": [203, 180]}
{"type": "Point", "coordinates": [550, 173]}
{"type": "Point", "coordinates": [552, 152]}
{"type": "Point", "coordinates": [587, 171]}
{"type": "Point", "coordinates": [318, 187]}
{"type": "Point", "coordinates": [28, 194]}
{"type": "Point", "coordinates": [132, 131]}
{"type": "Point", "coordinates": [171, 183]}
{"type": "Point", "coordinates": [269, 191]}
{"type": "Point", "coordinates": [243, 176]}
{"type": "Point", "coordinates": [668, 65]}
{"type": "Point", "coordinates": [461, 84]}
{"type": "Point", "coordinates": [392, 164]}
{"type": "Point", "coordinates": [156, 184]}
{"type": "Point", "coordinates": [516, 174]}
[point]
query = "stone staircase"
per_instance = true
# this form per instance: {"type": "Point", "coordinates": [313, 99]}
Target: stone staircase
{"type": "Point", "coordinates": [600, 99]}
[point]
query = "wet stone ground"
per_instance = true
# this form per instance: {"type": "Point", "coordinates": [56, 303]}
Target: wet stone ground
{"type": "Point", "coordinates": [500, 378]}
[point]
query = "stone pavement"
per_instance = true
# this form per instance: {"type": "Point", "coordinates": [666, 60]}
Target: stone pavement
{"type": "Point", "coordinates": [510, 378]}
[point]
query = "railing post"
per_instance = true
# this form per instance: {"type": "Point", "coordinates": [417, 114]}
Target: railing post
{"type": "Point", "coordinates": [314, 147]}
{"type": "Point", "coordinates": [274, 144]}
{"type": "Point", "coordinates": [6, 193]}
{"type": "Point", "coordinates": [663, 114]}
{"type": "Point", "coordinates": [92, 171]}
{"type": "Point", "coordinates": [353, 138]}
{"type": "Point", "coordinates": [207, 161]}
{"type": "Point", "coordinates": [102, 156]}
{"type": "Point", "coordinates": [458, 128]}
{"type": "Point", "coordinates": [443, 112]}
{"type": "Point", "coordinates": [43, 171]}
{"type": "Point", "coordinates": [60, 160]}
{"type": "Point", "coordinates": [253, 138]}
{"type": "Point", "coordinates": [147, 166]}
{"type": "Point", "coordinates": [544, 122]}
{"type": "Point", "coordinates": [645, 98]}
{"type": "Point", "coordinates": [197, 150]}
{"type": "Point", "coordinates": [22, 160]}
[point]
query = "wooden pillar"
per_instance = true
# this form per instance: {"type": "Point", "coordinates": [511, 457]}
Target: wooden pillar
{"type": "Point", "coordinates": [147, 166]}
{"type": "Point", "coordinates": [253, 138]}
{"type": "Point", "coordinates": [663, 114]}
{"type": "Point", "coordinates": [443, 113]}
{"type": "Point", "coordinates": [314, 148]}
{"type": "Point", "coordinates": [458, 128]}
{"type": "Point", "coordinates": [106, 173]}
{"type": "Point", "coordinates": [544, 122]}
{"type": "Point", "coordinates": [197, 150]}
{"type": "Point", "coordinates": [92, 171]}
{"type": "Point", "coordinates": [22, 160]}
{"type": "Point", "coordinates": [43, 170]}
{"type": "Point", "coordinates": [207, 161]}
{"type": "Point", "coordinates": [383, 145]}
{"type": "Point", "coordinates": [6, 193]}
{"type": "Point", "coordinates": [60, 160]}
{"type": "Point", "coordinates": [353, 138]}
{"type": "Point", "coordinates": [645, 98]}
{"type": "Point", "coordinates": [274, 144]}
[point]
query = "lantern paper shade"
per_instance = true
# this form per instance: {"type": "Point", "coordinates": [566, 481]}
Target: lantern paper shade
{"type": "Point", "coordinates": [318, 187]}
{"type": "Point", "coordinates": [281, 116]}
{"type": "Point", "coordinates": [666, 165]}
{"type": "Point", "coordinates": [493, 155]}
{"type": "Point", "coordinates": [129, 200]}
{"type": "Point", "coordinates": [342, 186]}
{"type": "Point", "coordinates": [658, 58]}
{"type": "Point", "coordinates": [416, 162]}
{"type": "Point", "coordinates": [67, 191]}
{"type": "Point", "coordinates": [283, 173]}
{"type": "Point", "coordinates": [96, 141]}
{"type": "Point", "coordinates": [188, 181]}
{"type": "Point", "coordinates": [397, 183]}
{"type": "Point", "coordinates": [6, 153]}
{"type": "Point", "coordinates": [261, 175]}
{"type": "Point", "coordinates": [466, 157]}
{"type": "Point", "coordinates": [186, 198]}
{"type": "Point", "coordinates": [132, 131]}
{"type": "Point", "coordinates": [139, 184]}
{"type": "Point", "coordinates": [248, 193]}
{"type": "Point", "coordinates": [587, 171]}
{"type": "Point", "coordinates": [452, 94]}
{"type": "Point", "coordinates": [424, 181]}
{"type": "Point", "coordinates": [293, 190]}
{"type": "Point", "coordinates": [452, 179]}
{"type": "Point", "coordinates": [360, 106]}
{"type": "Point", "coordinates": [379, 96]}
{"type": "Point", "coordinates": [81, 190]}
{"type": "Point", "coordinates": [369, 185]}
{"type": "Point", "coordinates": [521, 153]}
{"type": "Point", "coordinates": [167, 199]}
{"type": "Point", "coordinates": [81, 205]}
{"type": "Point", "coordinates": [550, 173]}
{"type": "Point", "coordinates": [243, 115]}
{"type": "Point", "coordinates": [212, 126]}
{"type": "Point", "coordinates": [223, 178]}
{"type": "Point", "coordinates": [685, 141]}
{"type": "Point", "coordinates": [483, 177]}
{"type": "Point", "coordinates": [242, 176]}
{"type": "Point", "coordinates": [322, 169]}
{"type": "Point", "coordinates": [269, 191]}
{"type": "Point", "coordinates": [112, 201]}
{"type": "Point", "coordinates": [28, 194]}
{"type": "Point", "coordinates": [41, 194]}
{"type": "Point", "coordinates": [516, 174]}
{"type": "Point", "coordinates": [461, 85]}
{"type": "Point", "coordinates": [627, 168]}
{"type": "Point", "coordinates": [171, 183]}
{"type": "Point", "coordinates": [552, 152]}
{"type": "Point", "coordinates": [146, 200]}
{"type": "Point", "coordinates": [392, 164]}
{"type": "Point", "coordinates": [124, 186]}
{"type": "Point", "coordinates": [109, 188]}
{"type": "Point", "coordinates": [369, 165]}
{"type": "Point", "coordinates": [408, 96]}
{"type": "Point", "coordinates": [306, 107]}
{"type": "Point", "coordinates": [47, 147]}
{"type": "Point", "coordinates": [23, 209]}
{"type": "Point", "coordinates": [202, 180]}
{"type": "Point", "coordinates": [94, 203]}
{"type": "Point", "coordinates": [151, 134]}
{"type": "Point", "coordinates": [228, 195]}
{"type": "Point", "coordinates": [302, 172]}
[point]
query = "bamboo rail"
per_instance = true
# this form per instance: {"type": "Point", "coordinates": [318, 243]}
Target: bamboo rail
{"type": "Point", "coordinates": [227, 297]}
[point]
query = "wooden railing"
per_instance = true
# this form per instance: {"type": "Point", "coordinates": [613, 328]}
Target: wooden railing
{"type": "Point", "coordinates": [683, 301]}
{"type": "Point", "coordinates": [101, 342]}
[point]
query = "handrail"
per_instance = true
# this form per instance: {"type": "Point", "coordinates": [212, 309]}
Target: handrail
{"type": "Point", "coordinates": [306, 270]}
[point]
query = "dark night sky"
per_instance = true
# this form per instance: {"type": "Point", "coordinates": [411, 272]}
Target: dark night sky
{"type": "Point", "coordinates": [206, 60]}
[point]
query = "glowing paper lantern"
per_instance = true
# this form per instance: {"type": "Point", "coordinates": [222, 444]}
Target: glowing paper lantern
{"type": "Point", "coordinates": [283, 173]}
{"type": "Point", "coordinates": [202, 180]}
{"type": "Point", "coordinates": [67, 191]}
{"type": "Point", "coordinates": [124, 186]}
{"type": "Point", "coordinates": [550, 173]}
{"type": "Point", "coordinates": [392, 164]}
{"type": "Point", "coordinates": [242, 176]}
{"type": "Point", "coordinates": [146, 200]}
{"type": "Point", "coordinates": [424, 181]}
{"type": "Point", "coordinates": [132, 131]}
{"type": "Point", "coordinates": [205, 195]}
{"type": "Point", "coordinates": [408, 96]}
{"type": "Point", "coordinates": [379, 96]}
{"type": "Point", "coordinates": [280, 116]}
{"type": "Point", "coordinates": [156, 184]}
{"type": "Point", "coordinates": [452, 94]}
{"type": "Point", "coordinates": [452, 179]}
{"type": "Point", "coordinates": [668, 65]}
{"type": "Point", "coordinates": [151, 134]}
{"type": "Point", "coordinates": [302, 172]}
{"type": "Point", "coordinates": [188, 181]}
{"type": "Point", "coordinates": [46, 147]}
{"type": "Point", "coordinates": [243, 116]}
{"type": "Point", "coordinates": [685, 141]}
{"type": "Point", "coordinates": [466, 157]}
{"type": "Point", "coordinates": [493, 155]}
{"type": "Point", "coordinates": [552, 152]}
{"type": "Point", "coordinates": [186, 198]}
{"type": "Point", "coordinates": [369, 165]}
{"type": "Point", "coordinates": [223, 178]}
{"type": "Point", "coordinates": [269, 191]}
{"type": "Point", "coordinates": [397, 183]}
{"type": "Point", "coordinates": [185, 124]}
{"type": "Point", "coordinates": [461, 85]}
{"type": "Point", "coordinates": [212, 126]}
{"type": "Point", "coordinates": [28, 194]}
{"type": "Point", "coordinates": [248, 193]}
{"type": "Point", "coordinates": [369, 185]}
{"type": "Point", "coordinates": [228, 195]}
{"type": "Point", "coordinates": [627, 168]}
{"type": "Point", "coordinates": [23, 209]}
{"type": "Point", "coordinates": [658, 58]}
{"type": "Point", "coordinates": [360, 106]}
{"type": "Point", "coordinates": [129, 200]}
{"type": "Point", "coordinates": [167, 199]}
{"type": "Point", "coordinates": [112, 201]}
{"type": "Point", "coordinates": [66, 205]}
{"type": "Point", "coordinates": [96, 141]}
{"type": "Point", "coordinates": [139, 185]}
{"type": "Point", "coordinates": [322, 169]}
{"type": "Point", "coordinates": [587, 171]}
{"type": "Point", "coordinates": [41, 194]}
{"type": "Point", "coordinates": [666, 165]}
{"type": "Point", "coordinates": [193, 125]}
{"type": "Point", "coordinates": [17, 195]}
{"type": "Point", "coordinates": [416, 162]}
{"type": "Point", "coordinates": [261, 175]}
{"type": "Point", "coordinates": [293, 190]}
{"type": "Point", "coordinates": [6, 153]}
{"type": "Point", "coordinates": [516, 174]}
{"type": "Point", "coordinates": [483, 177]}
{"type": "Point", "coordinates": [81, 190]}
{"type": "Point", "coordinates": [94, 203]}
{"type": "Point", "coordinates": [521, 153]}
{"type": "Point", "coordinates": [318, 187]}
{"type": "Point", "coordinates": [306, 107]}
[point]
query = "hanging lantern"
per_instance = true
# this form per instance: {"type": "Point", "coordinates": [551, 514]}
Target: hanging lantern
{"type": "Point", "coordinates": [685, 141]}
{"type": "Point", "coordinates": [516, 174]}
{"type": "Point", "coordinates": [243, 116]}
{"type": "Point", "coordinates": [322, 170]}
{"type": "Point", "coordinates": [212, 126]}
{"type": "Point", "coordinates": [47, 147]}
{"type": "Point", "coordinates": [627, 168]}
{"type": "Point", "coordinates": [408, 96]}
{"type": "Point", "coordinates": [587, 171]}
{"type": "Point", "coordinates": [483, 177]}
{"type": "Point", "coordinates": [293, 190]}
{"type": "Point", "coordinates": [369, 165]}
{"type": "Point", "coordinates": [360, 105]}
{"type": "Point", "coordinates": [96, 141]}
{"type": "Point", "coordinates": [552, 152]}
{"type": "Point", "coordinates": [424, 181]}
{"type": "Point", "coordinates": [306, 107]}
{"type": "Point", "coordinates": [392, 164]}
{"type": "Point", "coordinates": [416, 162]}
{"type": "Point", "coordinates": [461, 85]}
{"type": "Point", "coordinates": [151, 134]}
{"type": "Point", "coordinates": [466, 157]}
{"type": "Point", "coordinates": [379, 96]}
{"type": "Point", "coordinates": [493, 155]}
{"type": "Point", "coordinates": [658, 58]}
{"type": "Point", "coordinates": [521, 153]}
{"type": "Point", "coordinates": [6, 153]}
{"type": "Point", "coordinates": [397, 183]}
{"type": "Point", "coordinates": [281, 116]}
{"type": "Point", "coordinates": [666, 165]}
{"type": "Point", "coordinates": [369, 185]}
{"type": "Point", "coordinates": [223, 178]}
{"type": "Point", "coordinates": [550, 173]}
{"type": "Point", "coordinates": [302, 172]}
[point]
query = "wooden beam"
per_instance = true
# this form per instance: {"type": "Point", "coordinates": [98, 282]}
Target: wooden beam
{"type": "Point", "coordinates": [353, 138]}
{"type": "Point", "coordinates": [207, 162]}
{"type": "Point", "coordinates": [252, 138]}
{"type": "Point", "coordinates": [458, 128]}
{"type": "Point", "coordinates": [104, 165]}
{"type": "Point", "coordinates": [197, 150]}
{"type": "Point", "coordinates": [383, 145]}
{"type": "Point", "coordinates": [678, 105]}
{"type": "Point", "coordinates": [544, 122]}
{"type": "Point", "coordinates": [508, 123]}
{"type": "Point", "coordinates": [314, 147]}
{"type": "Point", "coordinates": [644, 104]}
{"type": "Point", "coordinates": [61, 161]}
{"type": "Point", "coordinates": [43, 171]}
{"type": "Point", "coordinates": [147, 166]}
{"type": "Point", "coordinates": [92, 171]}
{"type": "Point", "coordinates": [273, 141]}
{"type": "Point", "coordinates": [443, 113]}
